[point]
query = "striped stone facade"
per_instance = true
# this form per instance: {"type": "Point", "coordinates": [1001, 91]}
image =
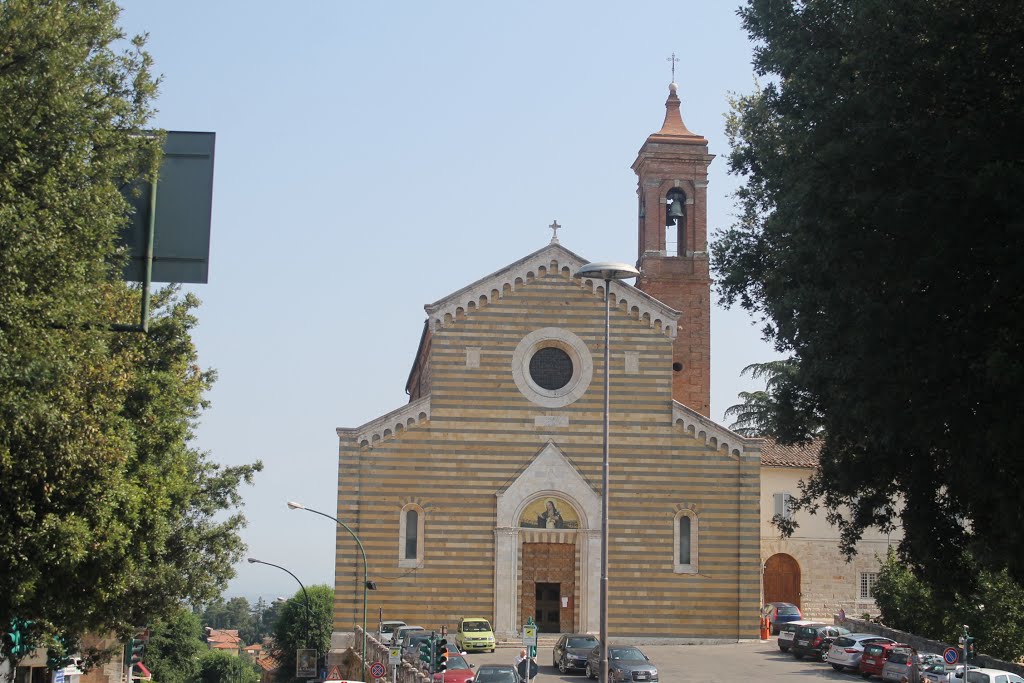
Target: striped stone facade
{"type": "Point", "coordinates": [481, 443]}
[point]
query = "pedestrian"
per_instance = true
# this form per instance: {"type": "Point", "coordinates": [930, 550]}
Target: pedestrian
{"type": "Point", "coordinates": [520, 657]}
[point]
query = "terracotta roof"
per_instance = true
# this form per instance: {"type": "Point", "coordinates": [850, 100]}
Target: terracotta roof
{"type": "Point", "coordinates": [216, 635]}
{"type": "Point", "coordinates": [222, 645]}
{"type": "Point", "coordinates": [775, 454]}
{"type": "Point", "coordinates": [268, 663]}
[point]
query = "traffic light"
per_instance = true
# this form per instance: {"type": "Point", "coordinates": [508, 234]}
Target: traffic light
{"type": "Point", "coordinates": [17, 640]}
{"type": "Point", "coordinates": [533, 650]}
{"type": "Point", "coordinates": [440, 655]}
{"type": "Point", "coordinates": [425, 653]}
{"type": "Point", "coordinates": [970, 653]}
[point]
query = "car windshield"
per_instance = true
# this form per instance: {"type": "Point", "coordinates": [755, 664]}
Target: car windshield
{"type": "Point", "coordinates": [844, 642]}
{"type": "Point", "coordinates": [873, 650]}
{"type": "Point", "coordinates": [389, 628]}
{"type": "Point", "coordinates": [476, 626]}
{"type": "Point", "coordinates": [581, 642]}
{"type": "Point", "coordinates": [455, 662]}
{"type": "Point", "coordinates": [808, 631]}
{"type": "Point", "coordinates": [625, 653]}
{"type": "Point", "coordinates": [788, 610]}
{"type": "Point", "coordinates": [496, 676]}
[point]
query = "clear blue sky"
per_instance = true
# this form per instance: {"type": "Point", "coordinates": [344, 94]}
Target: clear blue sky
{"type": "Point", "coordinates": [373, 157]}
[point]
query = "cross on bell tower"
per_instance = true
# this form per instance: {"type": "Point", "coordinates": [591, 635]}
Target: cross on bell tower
{"type": "Point", "coordinates": [672, 172]}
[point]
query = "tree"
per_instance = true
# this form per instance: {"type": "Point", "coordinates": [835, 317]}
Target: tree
{"type": "Point", "coordinates": [298, 628]}
{"type": "Point", "coordinates": [761, 413]}
{"type": "Point", "coordinates": [879, 237]}
{"type": "Point", "coordinates": [220, 667]}
{"type": "Point", "coordinates": [174, 645]}
{"type": "Point", "coordinates": [111, 518]}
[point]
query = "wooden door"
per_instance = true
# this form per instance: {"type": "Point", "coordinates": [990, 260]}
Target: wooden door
{"type": "Point", "coordinates": [548, 611]}
{"type": "Point", "coordinates": [782, 579]}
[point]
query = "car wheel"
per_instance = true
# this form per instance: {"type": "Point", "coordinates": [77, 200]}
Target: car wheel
{"type": "Point", "coordinates": [590, 672]}
{"type": "Point", "coordinates": [562, 669]}
{"type": "Point", "coordinates": [865, 675]}
{"type": "Point", "coordinates": [837, 667]}
{"type": "Point", "coordinates": [797, 655]}
{"type": "Point", "coordinates": [824, 656]}
{"type": "Point", "coordinates": [783, 649]}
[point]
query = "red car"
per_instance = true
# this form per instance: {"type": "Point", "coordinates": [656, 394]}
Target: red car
{"type": "Point", "coordinates": [874, 657]}
{"type": "Point", "coordinates": [457, 671]}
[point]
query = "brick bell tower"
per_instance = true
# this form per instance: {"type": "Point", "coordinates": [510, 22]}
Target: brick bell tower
{"type": "Point", "coordinates": [672, 171]}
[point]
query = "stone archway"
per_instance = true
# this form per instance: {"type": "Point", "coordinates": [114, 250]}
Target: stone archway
{"type": "Point", "coordinates": [782, 579]}
{"type": "Point", "coordinates": [548, 470]}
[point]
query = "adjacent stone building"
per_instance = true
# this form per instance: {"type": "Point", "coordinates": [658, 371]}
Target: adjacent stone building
{"type": "Point", "coordinates": [482, 496]}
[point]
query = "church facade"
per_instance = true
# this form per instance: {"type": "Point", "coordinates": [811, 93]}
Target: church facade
{"type": "Point", "coordinates": [481, 497]}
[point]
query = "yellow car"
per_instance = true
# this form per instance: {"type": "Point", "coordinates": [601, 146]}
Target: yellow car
{"type": "Point", "coordinates": [474, 634]}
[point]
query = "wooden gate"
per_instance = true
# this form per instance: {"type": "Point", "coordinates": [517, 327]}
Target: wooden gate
{"type": "Point", "coordinates": [782, 579]}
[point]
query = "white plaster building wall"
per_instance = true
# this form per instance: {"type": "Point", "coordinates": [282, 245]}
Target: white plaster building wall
{"type": "Point", "coordinates": [828, 582]}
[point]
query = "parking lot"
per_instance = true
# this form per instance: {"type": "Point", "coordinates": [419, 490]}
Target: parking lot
{"type": "Point", "coordinates": [749, 661]}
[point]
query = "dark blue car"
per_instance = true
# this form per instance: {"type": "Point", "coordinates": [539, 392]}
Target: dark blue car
{"type": "Point", "coordinates": [780, 613]}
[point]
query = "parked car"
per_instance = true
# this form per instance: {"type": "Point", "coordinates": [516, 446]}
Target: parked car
{"type": "Point", "coordinates": [474, 634]}
{"type": "Point", "coordinates": [625, 663]}
{"type": "Point", "coordinates": [846, 651]}
{"type": "Point", "coordinates": [571, 650]}
{"type": "Point", "coordinates": [877, 654]}
{"type": "Point", "coordinates": [936, 673]}
{"type": "Point", "coordinates": [991, 676]}
{"type": "Point", "coordinates": [779, 613]}
{"type": "Point", "coordinates": [899, 663]}
{"type": "Point", "coordinates": [814, 641]}
{"type": "Point", "coordinates": [457, 670]}
{"type": "Point", "coordinates": [787, 632]}
{"type": "Point", "coordinates": [402, 635]}
{"type": "Point", "coordinates": [496, 673]}
{"type": "Point", "coordinates": [387, 629]}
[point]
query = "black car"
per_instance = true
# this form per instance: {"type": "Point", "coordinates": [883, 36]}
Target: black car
{"type": "Point", "coordinates": [497, 673]}
{"type": "Point", "coordinates": [625, 663]}
{"type": "Point", "coordinates": [571, 650]}
{"type": "Point", "coordinates": [814, 641]}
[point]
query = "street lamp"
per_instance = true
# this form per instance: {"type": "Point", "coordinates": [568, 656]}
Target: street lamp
{"type": "Point", "coordinates": [606, 272]}
{"type": "Point", "coordinates": [305, 595]}
{"type": "Point", "coordinates": [367, 584]}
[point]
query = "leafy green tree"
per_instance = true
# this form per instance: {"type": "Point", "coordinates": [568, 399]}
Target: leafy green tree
{"type": "Point", "coordinates": [174, 645]}
{"type": "Point", "coordinates": [110, 517]}
{"type": "Point", "coordinates": [220, 667]}
{"type": "Point", "coordinates": [880, 235]}
{"type": "Point", "coordinates": [297, 627]}
{"type": "Point", "coordinates": [994, 609]}
{"type": "Point", "coordinates": [761, 413]}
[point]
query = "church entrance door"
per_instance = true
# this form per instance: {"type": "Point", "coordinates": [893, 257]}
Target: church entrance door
{"type": "Point", "coordinates": [547, 613]}
{"type": "Point", "coordinates": [549, 585]}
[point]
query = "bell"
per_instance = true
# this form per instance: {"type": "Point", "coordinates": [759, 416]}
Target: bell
{"type": "Point", "coordinates": [675, 212]}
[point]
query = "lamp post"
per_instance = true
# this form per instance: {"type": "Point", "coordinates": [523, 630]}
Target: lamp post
{"type": "Point", "coordinates": [607, 272]}
{"type": "Point", "coordinates": [367, 584]}
{"type": "Point", "coordinates": [305, 596]}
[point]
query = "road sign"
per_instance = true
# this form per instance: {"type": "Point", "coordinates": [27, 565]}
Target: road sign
{"type": "Point", "coordinates": [951, 655]}
{"type": "Point", "coordinates": [394, 655]}
{"type": "Point", "coordinates": [378, 670]}
{"type": "Point", "coordinates": [529, 635]}
{"type": "Point", "coordinates": [334, 673]}
{"type": "Point", "coordinates": [58, 676]}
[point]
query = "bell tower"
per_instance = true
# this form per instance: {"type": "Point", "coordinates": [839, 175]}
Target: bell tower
{"type": "Point", "coordinates": [672, 171]}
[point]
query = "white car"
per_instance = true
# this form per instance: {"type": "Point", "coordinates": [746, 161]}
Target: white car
{"type": "Point", "coordinates": [847, 650]}
{"type": "Point", "coordinates": [787, 632]}
{"type": "Point", "coordinates": [988, 676]}
{"type": "Point", "coordinates": [387, 629]}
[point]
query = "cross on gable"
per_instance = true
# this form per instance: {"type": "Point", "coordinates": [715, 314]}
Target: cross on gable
{"type": "Point", "coordinates": [554, 232]}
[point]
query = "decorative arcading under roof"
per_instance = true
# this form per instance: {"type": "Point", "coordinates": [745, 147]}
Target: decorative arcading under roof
{"type": "Point", "coordinates": [711, 433]}
{"type": "Point", "coordinates": [371, 433]}
{"type": "Point", "coordinates": [552, 258]}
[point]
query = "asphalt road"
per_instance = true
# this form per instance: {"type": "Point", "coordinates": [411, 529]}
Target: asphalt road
{"type": "Point", "coordinates": [751, 661]}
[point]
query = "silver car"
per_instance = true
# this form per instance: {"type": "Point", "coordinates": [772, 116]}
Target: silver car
{"type": "Point", "coordinates": [847, 650]}
{"type": "Point", "coordinates": [625, 663]}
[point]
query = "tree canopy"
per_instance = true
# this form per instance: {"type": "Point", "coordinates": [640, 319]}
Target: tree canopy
{"type": "Point", "coordinates": [298, 627]}
{"type": "Point", "coordinates": [880, 235]}
{"type": "Point", "coordinates": [111, 517]}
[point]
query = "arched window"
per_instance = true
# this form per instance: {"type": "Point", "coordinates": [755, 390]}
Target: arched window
{"type": "Point", "coordinates": [410, 536]}
{"type": "Point", "coordinates": [685, 542]}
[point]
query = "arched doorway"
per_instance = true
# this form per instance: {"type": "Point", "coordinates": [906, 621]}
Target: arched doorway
{"type": "Point", "coordinates": [782, 579]}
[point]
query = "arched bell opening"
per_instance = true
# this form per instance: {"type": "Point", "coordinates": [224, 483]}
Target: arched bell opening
{"type": "Point", "coordinates": [675, 222]}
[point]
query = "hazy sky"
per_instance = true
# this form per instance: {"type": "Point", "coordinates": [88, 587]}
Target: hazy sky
{"type": "Point", "coordinates": [373, 157]}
